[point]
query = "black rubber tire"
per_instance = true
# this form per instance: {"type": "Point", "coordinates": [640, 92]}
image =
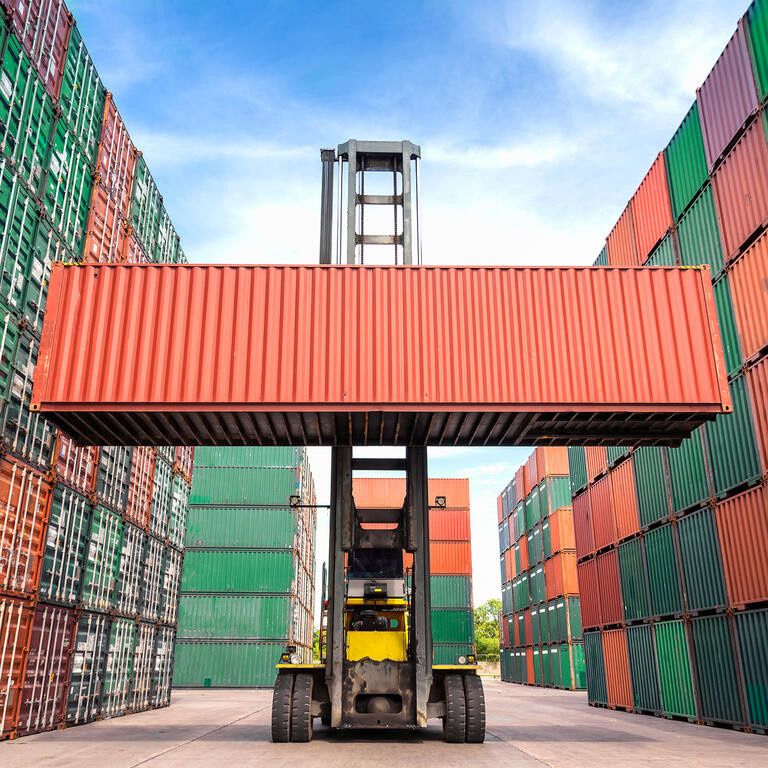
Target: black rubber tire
{"type": "Point", "coordinates": [281, 707]}
{"type": "Point", "coordinates": [473, 688]}
{"type": "Point", "coordinates": [455, 720]}
{"type": "Point", "coordinates": [301, 708]}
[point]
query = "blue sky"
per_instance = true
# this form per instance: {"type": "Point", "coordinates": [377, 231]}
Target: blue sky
{"type": "Point", "coordinates": [536, 122]}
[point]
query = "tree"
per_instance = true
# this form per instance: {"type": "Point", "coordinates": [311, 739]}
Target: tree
{"type": "Point", "coordinates": [487, 629]}
{"type": "Point", "coordinates": [316, 645]}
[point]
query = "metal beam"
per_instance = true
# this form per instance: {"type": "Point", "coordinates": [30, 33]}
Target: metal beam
{"type": "Point", "coordinates": [328, 158]}
{"type": "Point", "coordinates": [379, 465]}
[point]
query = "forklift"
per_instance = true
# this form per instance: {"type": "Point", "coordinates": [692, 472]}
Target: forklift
{"type": "Point", "coordinates": [377, 669]}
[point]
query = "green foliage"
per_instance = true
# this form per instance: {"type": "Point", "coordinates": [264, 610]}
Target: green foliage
{"type": "Point", "coordinates": [316, 645]}
{"type": "Point", "coordinates": [487, 619]}
{"type": "Point", "coordinates": [488, 648]}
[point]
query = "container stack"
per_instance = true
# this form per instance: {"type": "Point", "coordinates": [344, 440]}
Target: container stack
{"type": "Point", "coordinates": [540, 629]}
{"type": "Point", "coordinates": [672, 542]}
{"type": "Point", "coordinates": [90, 537]}
{"type": "Point", "coordinates": [450, 557]}
{"type": "Point", "coordinates": [248, 586]}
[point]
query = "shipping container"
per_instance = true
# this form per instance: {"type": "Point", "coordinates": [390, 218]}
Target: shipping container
{"type": "Point", "coordinates": [661, 565]}
{"type": "Point", "coordinates": [75, 465]}
{"type": "Point", "coordinates": [728, 333]}
{"type": "Point", "coordinates": [601, 513]}
{"type": "Point", "coordinates": [651, 486]}
{"type": "Point", "coordinates": [225, 663]}
{"type": "Point", "coordinates": [698, 234]}
{"type": "Point", "coordinates": [634, 580]}
{"type": "Point", "coordinates": [116, 158]}
{"type": "Point", "coordinates": [623, 500]}
{"type": "Point", "coordinates": [152, 579]}
{"type": "Point", "coordinates": [87, 668]}
{"type": "Point", "coordinates": [747, 278]}
{"type": "Point", "coordinates": [130, 571]}
{"type": "Point", "coordinates": [757, 385]}
{"type": "Point", "coordinates": [621, 243]}
{"type": "Point", "coordinates": [701, 561]}
{"type": "Point", "coordinates": [143, 662]}
{"type": "Point", "coordinates": [169, 589]}
{"type": "Point", "coordinates": [183, 460]}
{"type": "Point", "coordinates": [48, 248]}
{"type": "Point", "coordinates": [689, 479]}
{"type": "Point", "coordinates": [178, 511]}
{"type": "Point", "coordinates": [609, 583]}
{"type": "Point", "coordinates": [577, 467]}
{"type": "Point", "coordinates": [139, 498]}
{"type": "Point", "coordinates": [105, 234]}
{"type": "Point", "coordinates": [113, 476]}
{"type": "Point", "coordinates": [752, 634]}
{"type": "Point", "coordinates": [757, 24]}
{"type": "Point", "coordinates": [651, 209]}
{"type": "Point", "coordinates": [728, 96]}
{"type": "Point", "coordinates": [582, 525]}
{"type": "Point", "coordinates": [675, 676]}
{"type": "Point", "coordinates": [162, 673]}
{"type": "Point", "coordinates": [597, 692]}
{"type": "Point", "coordinates": [118, 668]}
{"type": "Point", "coordinates": [686, 162]}
{"type": "Point", "coordinates": [589, 593]}
{"type": "Point", "coordinates": [643, 669]}
{"type": "Point", "coordinates": [616, 663]}
{"type": "Point", "coordinates": [160, 509]}
{"type": "Point", "coordinates": [102, 560]}
{"type": "Point", "coordinates": [15, 624]}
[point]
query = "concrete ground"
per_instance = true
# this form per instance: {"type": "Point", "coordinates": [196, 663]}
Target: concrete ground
{"type": "Point", "coordinates": [526, 727]}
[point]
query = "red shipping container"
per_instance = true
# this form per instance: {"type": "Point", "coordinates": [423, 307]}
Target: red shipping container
{"type": "Point", "coordinates": [616, 660]}
{"type": "Point", "coordinates": [597, 461]}
{"type": "Point", "coordinates": [624, 500]}
{"type": "Point", "coordinates": [24, 501]}
{"type": "Point", "coordinates": [44, 691]}
{"type": "Point", "coordinates": [652, 209]}
{"type": "Point", "coordinates": [349, 355]}
{"type": "Point", "coordinates": [740, 185]}
{"type": "Point", "coordinates": [528, 639]}
{"type": "Point", "coordinates": [185, 458]}
{"type": "Point", "coordinates": [561, 531]}
{"type": "Point", "coordinates": [137, 507]}
{"type": "Point", "coordinates": [601, 514]}
{"type": "Point", "coordinates": [525, 561]}
{"type": "Point", "coordinates": [513, 633]}
{"type": "Point", "coordinates": [749, 285]}
{"type": "Point", "coordinates": [449, 525]}
{"type": "Point", "coordinates": [742, 523]}
{"type": "Point", "coordinates": [15, 623]}
{"type": "Point", "coordinates": [757, 384]}
{"type": "Point", "coordinates": [560, 575]}
{"type": "Point", "coordinates": [76, 465]}
{"type": "Point", "coordinates": [509, 565]}
{"type": "Point", "coordinates": [529, 665]}
{"type": "Point", "coordinates": [499, 509]}
{"type": "Point", "coordinates": [589, 594]}
{"type": "Point", "coordinates": [728, 95]}
{"type": "Point", "coordinates": [609, 585]}
{"type": "Point", "coordinates": [551, 460]}
{"type": "Point", "coordinates": [116, 158]}
{"type": "Point", "coordinates": [105, 235]}
{"type": "Point", "coordinates": [532, 471]}
{"type": "Point", "coordinates": [621, 244]}
{"type": "Point", "coordinates": [43, 26]}
{"type": "Point", "coordinates": [582, 525]}
{"type": "Point", "coordinates": [133, 253]}
{"type": "Point", "coordinates": [446, 558]}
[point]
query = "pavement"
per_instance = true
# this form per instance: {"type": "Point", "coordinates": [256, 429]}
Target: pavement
{"type": "Point", "coordinates": [526, 727]}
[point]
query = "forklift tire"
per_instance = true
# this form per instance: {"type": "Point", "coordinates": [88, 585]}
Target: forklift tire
{"type": "Point", "coordinates": [281, 707]}
{"type": "Point", "coordinates": [455, 720]}
{"type": "Point", "coordinates": [301, 708]}
{"type": "Point", "coordinates": [473, 687]}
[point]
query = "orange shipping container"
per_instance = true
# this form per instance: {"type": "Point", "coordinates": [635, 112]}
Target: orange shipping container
{"type": "Point", "coordinates": [133, 253]}
{"type": "Point", "coordinates": [15, 623]}
{"type": "Point", "coordinates": [140, 487]}
{"type": "Point", "coordinates": [589, 594]}
{"type": "Point", "coordinates": [374, 348]}
{"type": "Point", "coordinates": [560, 575]}
{"type": "Point", "coordinates": [582, 525]}
{"type": "Point", "coordinates": [521, 482]}
{"type": "Point", "coordinates": [509, 565]}
{"type": "Point", "coordinates": [449, 525]}
{"type": "Point", "coordinates": [551, 460]}
{"type": "Point", "coordinates": [529, 664]}
{"type": "Point", "coordinates": [116, 158]}
{"type": "Point", "coordinates": [389, 492]}
{"type": "Point", "coordinates": [446, 558]}
{"type": "Point", "coordinates": [742, 523]}
{"type": "Point", "coordinates": [597, 461]}
{"type": "Point", "coordinates": [184, 459]}
{"type": "Point", "coordinates": [757, 384]}
{"type": "Point", "coordinates": [601, 513]}
{"type": "Point", "coordinates": [624, 499]}
{"type": "Point", "coordinates": [622, 242]}
{"type": "Point", "coordinates": [105, 235]}
{"type": "Point", "coordinates": [75, 465]}
{"type": "Point", "coordinates": [499, 510]}
{"type": "Point", "coordinates": [525, 563]}
{"type": "Point", "coordinates": [24, 497]}
{"type": "Point", "coordinates": [561, 531]}
{"type": "Point", "coordinates": [651, 208]}
{"type": "Point", "coordinates": [749, 285]}
{"type": "Point", "coordinates": [616, 659]}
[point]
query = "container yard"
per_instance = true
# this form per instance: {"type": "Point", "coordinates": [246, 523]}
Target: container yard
{"type": "Point", "coordinates": [180, 438]}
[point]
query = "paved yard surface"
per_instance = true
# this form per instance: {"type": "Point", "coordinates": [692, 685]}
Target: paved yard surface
{"type": "Point", "coordinates": [526, 727]}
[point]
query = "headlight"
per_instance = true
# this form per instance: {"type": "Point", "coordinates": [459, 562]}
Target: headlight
{"type": "Point", "coordinates": [295, 658]}
{"type": "Point", "coordinates": [462, 659]}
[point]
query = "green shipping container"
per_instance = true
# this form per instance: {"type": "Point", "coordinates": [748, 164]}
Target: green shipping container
{"type": "Point", "coordinates": [757, 22]}
{"type": "Point", "coordinates": [699, 236]}
{"type": "Point", "coordinates": [528, 514]}
{"type": "Point", "coordinates": [535, 627]}
{"type": "Point", "coordinates": [26, 115]}
{"type": "Point", "coordinates": [546, 666]}
{"type": "Point", "coordinates": [577, 467]}
{"type": "Point", "coordinates": [650, 483]}
{"type": "Point", "coordinates": [118, 669]}
{"type": "Point", "coordinates": [574, 618]}
{"type": "Point", "coordinates": [102, 560]}
{"type": "Point", "coordinates": [752, 633]}
{"type": "Point", "coordinates": [688, 476]}
{"type": "Point", "coordinates": [728, 333]}
{"type": "Point", "coordinates": [146, 204]}
{"type": "Point", "coordinates": [676, 681]}
{"type": "Point", "coordinates": [731, 443]}
{"type": "Point", "coordinates": [449, 653]}
{"type": "Point", "coordinates": [642, 668]}
{"type": "Point", "coordinates": [546, 539]}
{"type": "Point", "coordinates": [248, 486]}
{"type": "Point", "coordinates": [578, 667]}
{"type": "Point", "coordinates": [554, 493]}
{"type": "Point", "coordinates": [450, 591]}
{"type": "Point", "coordinates": [255, 527]}
{"type": "Point", "coordinates": [251, 456]}
{"type": "Point", "coordinates": [8, 342]}
{"type": "Point", "coordinates": [86, 671]}
{"type": "Point", "coordinates": [716, 669]}
{"type": "Point", "coordinates": [634, 581]}
{"type": "Point", "coordinates": [616, 452]}
{"type": "Point", "coordinates": [597, 690]}
{"type": "Point", "coordinates": [82, 95]}
{"type": "Point", "coordinates": [663, 576]}
{"type": "Point", "coordinates": [663, 256]}
{"type": "Point", "coordinates": [452, 625]}
{"type": "Point", "coordinates": [222, 570]}
{"type": "Point", "coordinates": [537, 666]}
{"type": "Point", "coordinates": [226, 664]}
{"type": "Point", "coordinates": [685, 161]}
{"type": "Point", "coordinates": [602, 259]}
{"type": "Point", "coordinates": [252, 617]}
{"type": "Point", "coordinates": [702, 561]}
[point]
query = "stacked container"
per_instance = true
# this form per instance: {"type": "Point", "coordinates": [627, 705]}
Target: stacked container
{"type": "Point", "coordinates": [672, 542]}
{"type": "Point", "coordinates": [450, 557]}
{"type": "Point", "coordinates": [248, 584]}
{"type": "Point", "coordinates": [540, 626]}
{"type": "Point", "coordinates": [90, 538]}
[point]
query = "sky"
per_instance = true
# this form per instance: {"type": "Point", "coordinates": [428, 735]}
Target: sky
{"type": "Point", "coordinates": [536, 122]}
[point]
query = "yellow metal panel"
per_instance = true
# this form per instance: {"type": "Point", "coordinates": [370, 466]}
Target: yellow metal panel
{"type": "Point", "coordinates": [376, 645]}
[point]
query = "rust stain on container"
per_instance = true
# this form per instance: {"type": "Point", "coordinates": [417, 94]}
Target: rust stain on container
{"type": "Point", "coordinates": [651, 208]}
{"type": "Point", "coordinates": [622, 242]}
{"type": "Point", "coordinates": [149, 354]}
{"type": "Point", "coordinates": [749, 286]}
{"type": "Point", "coordinates": [740, 185]}
{"type": "Point", "coordinates": [727, 96]}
